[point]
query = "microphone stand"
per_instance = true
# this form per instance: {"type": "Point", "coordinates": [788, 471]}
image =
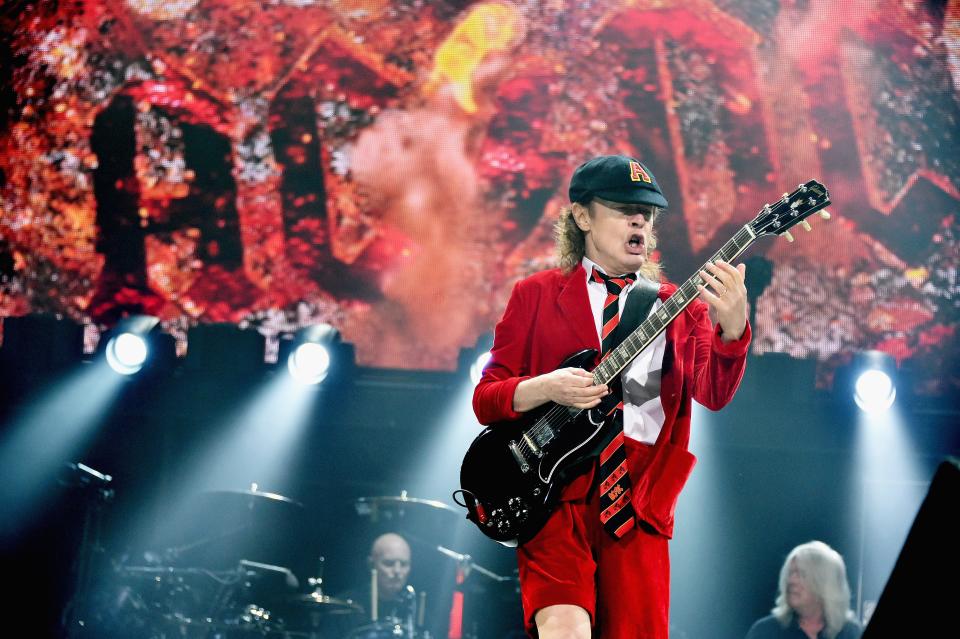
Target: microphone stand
{"type": "Point", "coordinates": [465, 565]}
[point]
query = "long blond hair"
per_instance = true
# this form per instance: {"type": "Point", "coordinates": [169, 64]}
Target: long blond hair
{"type": "Point", "coordinates": [570, 242]}
{"type": "Point", "coordinates": [825, 575]}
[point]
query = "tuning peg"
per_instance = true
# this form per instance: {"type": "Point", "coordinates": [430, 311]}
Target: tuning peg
{"type": "Point", "coordinates": [825, 214]}
{"type": "Point", "coordinates": [787, 235]}
{"type": "Point", "coordinates": [806, 225]}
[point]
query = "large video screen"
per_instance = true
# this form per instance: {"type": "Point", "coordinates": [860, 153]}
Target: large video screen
{"type": "Point", "coordinates": [393, 167]}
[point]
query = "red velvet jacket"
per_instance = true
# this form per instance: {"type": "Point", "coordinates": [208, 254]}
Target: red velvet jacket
{"type": "Point", "coordinates": [548, 318]}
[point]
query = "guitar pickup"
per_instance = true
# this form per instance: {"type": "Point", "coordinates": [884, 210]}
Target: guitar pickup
{"type": "Point", "coordinates": [533, 446]}
{"type": "Point", "coordinates": [518, 456]}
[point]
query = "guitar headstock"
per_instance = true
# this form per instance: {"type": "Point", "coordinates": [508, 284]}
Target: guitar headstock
{"type": "Point", "coordinates": [794, 208]}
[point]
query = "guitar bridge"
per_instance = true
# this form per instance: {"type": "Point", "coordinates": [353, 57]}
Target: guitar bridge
{"type": "Point", "coordinates": [533, 446]}
{"type": "Point", "coordinates": [518, 456]}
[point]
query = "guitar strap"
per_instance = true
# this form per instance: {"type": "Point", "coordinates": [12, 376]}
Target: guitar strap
{"type": "Point", "coordinates": [640, 300]}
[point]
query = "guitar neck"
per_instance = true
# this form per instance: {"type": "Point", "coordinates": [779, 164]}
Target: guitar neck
{"type": "Point", "coordinates": [657, 322]}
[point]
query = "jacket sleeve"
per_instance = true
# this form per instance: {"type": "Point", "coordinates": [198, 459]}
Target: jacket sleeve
{"type": "Point", "coordinates": [509, 362]}
{"type": "Point", "coordinates": [718, 365]}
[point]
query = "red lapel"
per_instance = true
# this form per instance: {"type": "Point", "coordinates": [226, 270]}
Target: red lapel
{"type": "Point", "coordinates": [671, 382]}
{"type": "Point", "coordinates": [574, 306]}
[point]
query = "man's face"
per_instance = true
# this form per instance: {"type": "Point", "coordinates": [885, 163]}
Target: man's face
{"type": "Point", "coordinates": [617, 235]}
{"type": "Point", "coordinates": [391, 560]}
{"type": "Point", "coordinates": [799, 595]}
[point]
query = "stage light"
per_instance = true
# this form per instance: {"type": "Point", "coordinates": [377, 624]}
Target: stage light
{"type": "Point", "coordinates": [314, 353]}
{"type": "Point", "coordinates": [136, 342]}
{"type": "Point", "coordinates": [875, 387]}
{"type": "Point", "coordinates": [476, 369]}
{"type": "Point", "coordinates": [874, 391]}
{"type": "Point", "coordinates": [473, 360]}
{"type": "Point", "coordinates": [309, 363]}
{"type": "Point", "coordinates": [127, 353]}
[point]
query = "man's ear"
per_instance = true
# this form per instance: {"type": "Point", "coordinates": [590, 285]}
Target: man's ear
{"type": "Point", "coordinates": [581, 216]}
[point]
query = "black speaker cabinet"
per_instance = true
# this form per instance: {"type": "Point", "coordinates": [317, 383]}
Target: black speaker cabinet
{"type": "Point", "coordinates": [921, 596]}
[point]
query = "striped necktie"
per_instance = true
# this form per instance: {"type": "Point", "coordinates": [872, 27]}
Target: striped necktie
{"type": "Point", "coordinates": [616, 510]}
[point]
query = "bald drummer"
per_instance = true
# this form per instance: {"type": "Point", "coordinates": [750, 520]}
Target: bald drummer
{"type": "Point", "coordinates": [390, 558]}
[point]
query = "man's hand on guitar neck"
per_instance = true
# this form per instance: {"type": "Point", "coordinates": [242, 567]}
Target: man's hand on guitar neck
{"type": "Point", "coordinates": [726, 297]}
{"type": "Point", "coordinates": [564, 386]}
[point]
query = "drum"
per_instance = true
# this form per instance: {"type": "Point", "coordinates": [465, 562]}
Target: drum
{"type": "Point", "coordinates": [380, 630]}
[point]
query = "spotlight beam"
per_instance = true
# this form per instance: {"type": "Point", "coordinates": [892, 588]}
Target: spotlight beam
{"type": "Point", "coordinates": [49, 432]}
{"type": "Point", "coordinates": [254, 444]}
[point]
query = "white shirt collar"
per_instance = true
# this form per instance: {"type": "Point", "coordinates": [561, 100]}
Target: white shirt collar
{"type": "Point", "coordinates": [589, 265]}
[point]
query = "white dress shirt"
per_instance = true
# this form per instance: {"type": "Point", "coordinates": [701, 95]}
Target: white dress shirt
{"type": "Point", "coordinates": [643, 415]}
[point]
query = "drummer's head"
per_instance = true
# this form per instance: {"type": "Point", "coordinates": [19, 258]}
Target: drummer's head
{"type": "Point", "coordinates": [390, 557]}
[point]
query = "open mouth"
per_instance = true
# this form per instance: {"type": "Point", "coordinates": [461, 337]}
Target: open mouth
{"type": "Point", "coordinates": [635, 245]}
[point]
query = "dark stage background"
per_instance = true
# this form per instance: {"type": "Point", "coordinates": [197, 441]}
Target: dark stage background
{"type": "Point", "coordinates": [783, 464]}
{"type": "Point", "coordinates": [265, 166]}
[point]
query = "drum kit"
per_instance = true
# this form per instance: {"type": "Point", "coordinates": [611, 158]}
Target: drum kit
{"type": "Point", "coordinates": [198, 589]}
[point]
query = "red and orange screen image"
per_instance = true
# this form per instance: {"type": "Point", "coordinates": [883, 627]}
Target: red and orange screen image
{"type": "Point", "coordinates": [393, 167]}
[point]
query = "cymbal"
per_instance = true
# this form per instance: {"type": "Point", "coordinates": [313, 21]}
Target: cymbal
{"type": "Point", "coordinates": [329, 605]}
{"type": "Point", "coordinates": [400, 504]}
{"type": "Point", "coordinates": [253, 496]}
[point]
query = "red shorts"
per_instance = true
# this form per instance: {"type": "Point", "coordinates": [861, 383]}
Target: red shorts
{"type": "Point", "coordinates": [624, 584]}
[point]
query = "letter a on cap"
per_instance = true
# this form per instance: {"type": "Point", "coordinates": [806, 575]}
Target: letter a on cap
{"type": "Point", "coordinates": [637, 173]}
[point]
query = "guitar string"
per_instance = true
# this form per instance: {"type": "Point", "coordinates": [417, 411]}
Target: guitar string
{"type": "Point", "coordinates": [670, 309]}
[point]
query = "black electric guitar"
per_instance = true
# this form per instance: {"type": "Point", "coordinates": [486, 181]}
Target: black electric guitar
{"type": "Point", "coordinates": [513, 472]}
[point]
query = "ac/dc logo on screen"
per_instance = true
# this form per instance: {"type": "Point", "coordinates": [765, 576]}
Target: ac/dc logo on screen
{"type": "Point", "coordinates": [637, 173]}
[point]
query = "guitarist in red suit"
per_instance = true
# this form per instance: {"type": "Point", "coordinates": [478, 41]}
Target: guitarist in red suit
{"type": "Point", "coordinates": [600, 565]}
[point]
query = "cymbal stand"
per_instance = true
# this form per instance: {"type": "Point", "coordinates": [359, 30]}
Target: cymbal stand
{"type": "Point", "coordinates": [317, 582]}
{"type": "Point", "coordinates": [422, 632]}
{"type": "Point", "coordinates": [98, 494]}
{"type": "Point", "coordinates": [411, 604]}
{"type": "Point", "coordinates": [226, 597]}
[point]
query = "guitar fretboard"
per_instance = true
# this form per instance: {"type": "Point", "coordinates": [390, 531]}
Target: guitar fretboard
{"type": "Point", "coordinates": [773, 219]}
{"type": "Point", "coordinates": [544, 429]}
{"type": "Point", "coordinates": [649, 329]}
